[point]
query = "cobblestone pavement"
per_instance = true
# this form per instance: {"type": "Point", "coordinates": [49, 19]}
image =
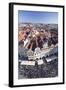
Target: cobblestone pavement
{"type": "Point", "coordinates": [47, 70]}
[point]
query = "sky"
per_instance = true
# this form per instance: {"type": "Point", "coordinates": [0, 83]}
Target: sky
{"type": "Point", "coordinates": [37, 17]}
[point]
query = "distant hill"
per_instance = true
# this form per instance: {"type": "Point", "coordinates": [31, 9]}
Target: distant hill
{"type": "Point", "coordinates": [39, 25]}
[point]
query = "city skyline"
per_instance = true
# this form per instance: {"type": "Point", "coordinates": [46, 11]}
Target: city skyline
{"type": "Point", "coordinates": [37, 17]}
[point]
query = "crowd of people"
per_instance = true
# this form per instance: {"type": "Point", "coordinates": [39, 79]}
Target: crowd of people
{"type": "Point", "coordinates": [31, 42]}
